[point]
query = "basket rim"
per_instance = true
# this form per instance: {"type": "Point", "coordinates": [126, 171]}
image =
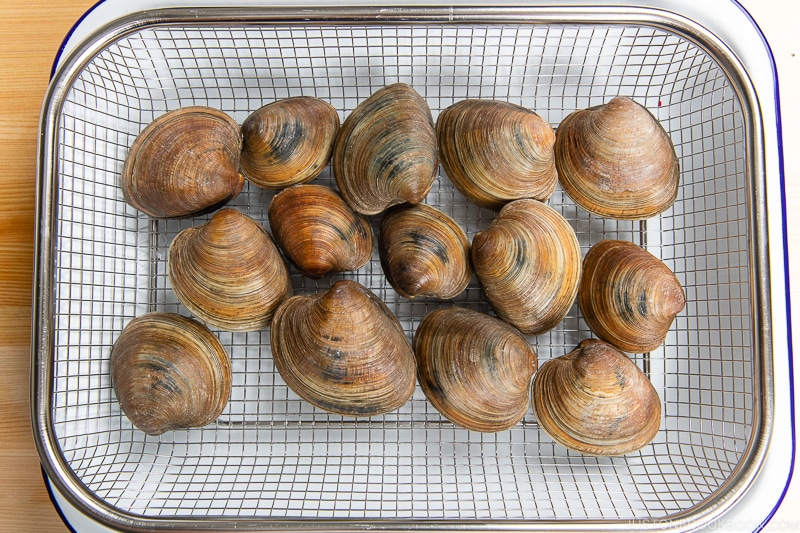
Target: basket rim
{"type": "Point", "coordinates": [55, 464]}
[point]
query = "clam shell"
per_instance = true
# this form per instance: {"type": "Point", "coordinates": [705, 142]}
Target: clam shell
{"type": "Point", "coordinates": [169, 372]}
{"type": "Point", "coordinates": [228, 272]}
{"type": "Point", "coordinates": [628, 296]}
{"type": "Point", "coordinates": [184, 163]}
{"type": "Point", "coordinates": [617, 161]}
{"type": "Point", "coordinates": [288, 141]}
{"type": "Point", "coordinates": [385, 151]}
{"type": "Point", "coordinates": [596, 401]}
{"type": "Point", "coordinates": [495, 152]}
{"type": "Point", "coordinates": [474, 369]}
{"type": "Point", "coordinates": [318, 231]}
{"type": "Point", "coordinates": [343, 351]}
{"type": "Point", "coordinates": [528, 263]}
{"type": "Point", "coordinates": [424, 252]}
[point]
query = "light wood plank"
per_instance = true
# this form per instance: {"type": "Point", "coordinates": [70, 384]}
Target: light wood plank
{"type": "Point", "coordinates": [30, 35]}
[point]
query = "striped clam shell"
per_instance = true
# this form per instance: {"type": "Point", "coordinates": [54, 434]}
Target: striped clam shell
{"type": "Point", "coordinates": [474, 369]}
{"type": "Point", "coordinates": [617, 161]}
{"type": "Point", "coordinates": [424, 252]}
{"type": "Point", "coordinates": [288, 141]}
{"type": "Point", "coordinates": [596, 401]}
{"type": "Point", "coordinates": [169, 372]}
{"type": "Point", "coordinates": [628, 297]}
{"type": "Point", "coordinates": [343, 351]}
{"type": "Point", "coordinates": [228, 272]}
{"type": "Point", "coordinates": [385, 152]}
{"type": "Point", "coordinates": [495, 152]}
{"type": "Point", "coordinates": [528, 262]}
{"type": "Point", "coordinates": [184, 163]}
{"type": "Point", "coordinates": [318, 231]}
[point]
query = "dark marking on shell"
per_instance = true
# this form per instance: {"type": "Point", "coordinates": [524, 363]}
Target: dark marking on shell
{"type": "Point", "coordinates": [520, 253]}
{"type": "Point", "coordinates": [165, 379]}
{"type": "Point", "coordinates": [354, 409]}
{"type": "Point", "coordinates": [621, 379]}
{"type": "Point", "coordinates": [337, 230]}
{"type": "Point", "coordinates": [644, 309]}
{"type": "Point", "coordinates": [284, 143]}
{"type": "Point", "coordinates": [427, 242]}
{"type": "Point", "coordinates": [623, 302]}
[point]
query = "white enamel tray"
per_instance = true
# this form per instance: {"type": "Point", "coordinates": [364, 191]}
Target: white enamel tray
{"type": "Point", "coordinates": [723, 456]}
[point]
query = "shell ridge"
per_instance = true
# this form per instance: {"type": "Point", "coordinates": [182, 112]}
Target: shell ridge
{"type": "Point", "coordinates": [391, 155]}
{"type": "Point", "coordinates": [360, 361]}
{"type": "Point", "coordinates": [493, 153]}
{"type": "Point", "coordinates": [183, 163]}
{"type": "Point", "coordinates": [462, 365]}
{"type": "Point", "coordinates": [617, 161]}
{"type": "Point", "coordinates": [228, 272]}
{"type": "Point", "coordinates": [169, 372]}
{"type": "Point", "coordinates": [288, 141]}
{"type": "Point", "coordinates": [509, 259]}
{"type": "Point", "coordinates": [628, 296]}
{"type": "Point", "coordinates": [596, 400]}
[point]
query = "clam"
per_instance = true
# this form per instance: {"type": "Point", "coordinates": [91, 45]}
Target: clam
{"type": "Point", "coordinates": [228, 272]}
{"type": "Point", "coordinates": [424, 252]}
{"type": "Point", "coordinates": [617, 161]}
{"type": "Point", "coordinates": [343, 351]}
{"type": "Point", "coordinates": [495, 152]}
{"type": "Point", "coordinates": [288, 141]}
{"type": "Point", "coordinates": [184, 163]}
{"type": "Point", "coordinates": [169, 372]}
{"type": "Point", "coordinates": [628, 296]}
{"type": "Point", "coordinates": [474, 369]}
{"type": "Point", "coordinates": [318, 231]}
{"type": "Point", "coordinates": [385, 151]}
{"type": "Point", "coordinates": [596, 401]}
{"type": "Point", "coordinates": [528, 263]}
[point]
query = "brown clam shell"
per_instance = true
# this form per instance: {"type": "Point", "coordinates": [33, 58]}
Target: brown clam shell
{"type": "Point", "coordinates": [474, 369]}
{"type": "Point", "coordinates": [424, 252]}
{"type": "Point", "coordinates": [385, 152]}
{"type": "Point", "coordinates": [495, 152]}
{"type": "Point", "coordinates": [184, 163]}
{"type": "Point", "coordinates": [318, 231]}
{"type": "Point", "coordinates": [169, 372]}
{"type": "Point", "coordinates": [528, 263]}
{"type": "Point", "coordinates": [617, 161]}
{"type": "Point", "coordinates": [596, 401]}
{"type": "Point", "coordinates": [288, 141]}
{"type": "Point", "coordinates": [343, 351]}
{"type": "Point", "coordinates": [228, 272]}
{"type": "Point", "coordinates": [628, 296]}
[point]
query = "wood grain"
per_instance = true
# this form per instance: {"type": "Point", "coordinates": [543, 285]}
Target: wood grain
{"type": "Point", "coordinates": [31, 32]}
{"type": "Point", "coordinates": [30, 35]}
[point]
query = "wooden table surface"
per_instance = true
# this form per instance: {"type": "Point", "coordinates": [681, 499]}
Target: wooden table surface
{"type": "Point", "coordinates": [31, 32]}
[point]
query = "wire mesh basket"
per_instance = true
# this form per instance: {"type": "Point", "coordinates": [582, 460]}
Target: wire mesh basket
{"type": "Point", "coordinates": [271, 459]}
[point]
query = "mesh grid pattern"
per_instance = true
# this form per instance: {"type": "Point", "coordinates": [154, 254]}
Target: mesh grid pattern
{"type": "Point", "coordinates": [271, 455]}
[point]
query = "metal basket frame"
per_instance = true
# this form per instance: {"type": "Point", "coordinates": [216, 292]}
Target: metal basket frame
{"type": "Point", "coordinates": [724, 488]}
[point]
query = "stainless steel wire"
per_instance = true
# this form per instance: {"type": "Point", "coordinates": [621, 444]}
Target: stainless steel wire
{"type": "Point", "coordinates": [271, 455]}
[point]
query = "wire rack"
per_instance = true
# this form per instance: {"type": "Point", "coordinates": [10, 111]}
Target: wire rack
{"type": "Point", "coordinates": [271, 455]}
